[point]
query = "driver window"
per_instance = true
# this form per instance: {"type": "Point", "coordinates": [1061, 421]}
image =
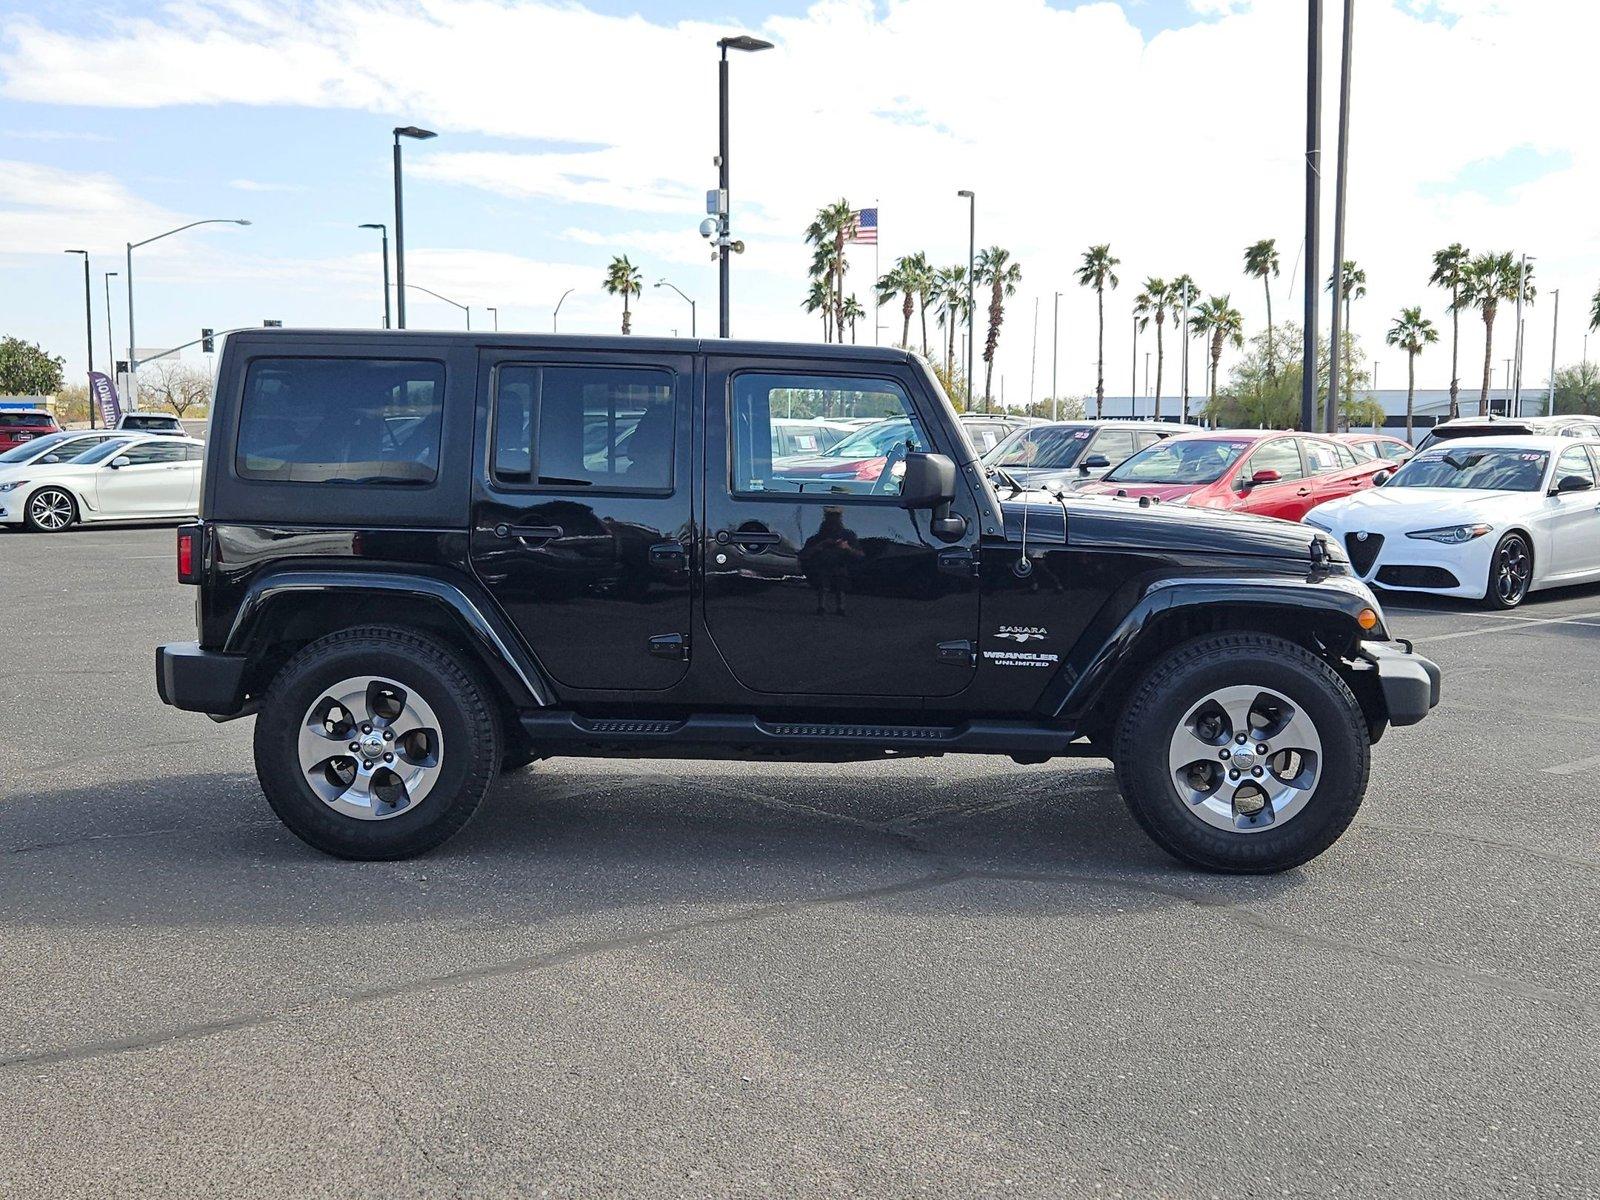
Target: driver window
{"type": "Point", "coordinates": [870, 461]}
{"type": "Point", "coordinates": [1575, 462]}
{"type": "Point", "coordinates": [1279, 455]}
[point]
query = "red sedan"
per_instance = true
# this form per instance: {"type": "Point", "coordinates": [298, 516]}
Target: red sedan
{"type": "Point", "coordinates": [19, 425]}
{"type": "Point", "coordinates": [1265, 472]}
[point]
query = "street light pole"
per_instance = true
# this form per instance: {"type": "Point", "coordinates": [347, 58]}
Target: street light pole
{"type": "Point", "coordinates": [410, 131]}
{"type": "Point", "coordinates": [1330, 416]}
{"type": "Point", "coordinates": [692, 319]}
{"type": "Point", "coordinates": [384, 230]}
{"type": "Point", "coordinates": [555, 317]}
{"type": "Point", "coordinates": [466, 308]}
{"type": "Point", "coordinates": [496, 313]}
{"type": "Point", "coordinates": [88, 323]}
{"type": "Point", "coordinates": [133, 361]}
{"type": "Point", "coordinates": [1308, 372]}
{"type": "Point", "coordinates": [724, 238]}
{"type": "Point", "coordinates": [1055, 354]}
{"type": "Point", "coordinates": [972, 266]}
{"type": "Point", "coordinates": [1555, 324]}
{"type": "Point", "coordinates": [111, 345]}
{"type": "Point", "coordinates": [1516, 382]}
{"type": "Point", "coordinates": [1133, 383]}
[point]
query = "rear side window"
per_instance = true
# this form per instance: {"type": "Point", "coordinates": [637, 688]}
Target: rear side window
{"type": "Point", "coordinates": [341, 420]}
{"type": "Point", "coordinates": [1115, 444]}
{"type": "Point", "coordinates": [580, 427]}
{"type": "Point", "coordinates": [147, 453]}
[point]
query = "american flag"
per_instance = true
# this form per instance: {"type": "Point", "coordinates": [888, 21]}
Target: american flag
{"type": "Point", "coordinates": [863, 227]}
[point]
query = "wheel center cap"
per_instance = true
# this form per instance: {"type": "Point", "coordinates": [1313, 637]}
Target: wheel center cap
{"type": "Point", "coordinates": [372, 745]}
{"type": "Point", "coordinates": [1244, 758]}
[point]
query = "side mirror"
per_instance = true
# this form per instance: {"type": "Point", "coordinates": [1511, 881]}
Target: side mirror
{"type": "Point", "coordinates": [1572, 483]}
{"type": "Point", "coordinates": [1094, 462]}
{"type": "Point", "coordinates": [1382, 477]}
{"type": "Point", "coordinates": [120, 461]}
{"type": "Point", "coordinates": [930, 482]}
{"type": "Point", "coordinates": [51, 458]}
{"type": "Point", "coordinates": [1265, 475]}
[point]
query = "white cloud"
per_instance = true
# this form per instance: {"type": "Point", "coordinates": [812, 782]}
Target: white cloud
{"type": "Point", "coordinates": [1070, 126]}
{"type": "Point", "coordinates": [255, 185]}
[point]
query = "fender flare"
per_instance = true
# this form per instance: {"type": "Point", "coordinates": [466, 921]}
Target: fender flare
{"type": "Point", "coordinates": [1097, 661]}
{"type": "Point", "coordinates": [494, 639]}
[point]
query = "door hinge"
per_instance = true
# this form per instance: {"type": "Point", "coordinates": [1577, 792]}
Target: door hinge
{"type": "Point", "coordinates": [962, 562]}
{"type": "Point", "coordinates": [957, 654]}
{"type": "Point", "coordinates": [670, 645]}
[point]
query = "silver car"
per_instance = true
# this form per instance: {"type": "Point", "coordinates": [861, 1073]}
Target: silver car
{"type": "Point", "coordinates": [1061, 456]}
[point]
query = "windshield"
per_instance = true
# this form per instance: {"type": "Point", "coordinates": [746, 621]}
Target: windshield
{"type": "Point", "coordinates": [101, 452]}
{"type": "Point", "coordinates": [27, 420]}
{"type": "Point", "coordinates": [1179, 461]}
{"type": "Point", "coordinates": [1469, 466]}
{"type": "Point", "coordinates": [875, 440]}
{"type": "Point", "coordinates": [1051, 447]}
{"type": "Point", "coordinates": [27, 451]}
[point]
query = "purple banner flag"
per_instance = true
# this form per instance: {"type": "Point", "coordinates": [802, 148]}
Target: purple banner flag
{"type": "Point", "coordinates": [105, 395]}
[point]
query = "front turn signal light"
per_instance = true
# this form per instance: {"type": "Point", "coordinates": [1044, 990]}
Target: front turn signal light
{"type": "Point", "coordinates": [1367, 619]}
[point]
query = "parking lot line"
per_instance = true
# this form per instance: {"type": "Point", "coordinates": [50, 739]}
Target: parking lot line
{"type": "Point", "coordinates": [1577, 619]}
{"type": "Point", "coordinates": [1576, 767]}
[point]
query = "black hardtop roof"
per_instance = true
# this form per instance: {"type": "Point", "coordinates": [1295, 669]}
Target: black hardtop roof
{"type": "Point", "coordinates": [611, 343]}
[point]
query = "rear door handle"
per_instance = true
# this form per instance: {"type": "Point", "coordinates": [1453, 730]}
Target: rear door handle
{"type": "Point", "coordinates": [747, 537]}
{"type": "Point", "coordinates": [530, 533]}
{"type": "Point", "coordinates": [1303, 492]}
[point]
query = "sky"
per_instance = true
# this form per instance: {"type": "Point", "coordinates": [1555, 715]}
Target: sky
{"type": "Point", "coordinates": [572, 131]}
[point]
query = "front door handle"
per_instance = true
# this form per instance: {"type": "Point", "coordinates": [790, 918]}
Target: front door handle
{"type": "Point", "coordinates": [530, 533]}
{"type": "Point", "coordinates": [747, 537]}
{"type": "Point", "coordinates": [1303, 492]}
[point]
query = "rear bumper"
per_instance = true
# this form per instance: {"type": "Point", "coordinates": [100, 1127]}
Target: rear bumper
{"type": "Point", "coordinates": [1410, 682]}
{"type": "Point", "coordinates": [197, 680]}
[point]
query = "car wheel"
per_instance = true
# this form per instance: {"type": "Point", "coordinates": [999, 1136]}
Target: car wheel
{"type": "Point", "coordinates": [376, 743]}
{"type": "Point", "coordinates": [50, 510]}
{"type": "Point", "coordinates": [1242, 752]}
{"type": "Point", "coordinates": [1510, 572]}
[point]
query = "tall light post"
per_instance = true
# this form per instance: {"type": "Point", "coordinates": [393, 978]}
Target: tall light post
{"type": "Point", "coordinates": [1330, 420]}
{"type": "Point", "coordinates": [133, 361]}
{"type": "Point", "coordinates": [1133, 383]}
{"type": "Point", "coordinates": [676, 288]}
{"type": "Point", "coordinates": [1555, 324]}
{"type": "Point", "coordinates": [1055, 354]}
{"type": "Point", "coordinates": [417, 287]}
{"type": "Point", "coordinates": [384, 230]}
{"type": "Point", "coordinates": [111, 345]}
{"type": "Point", "coordinates": [496, 313]}
{"type": "Point", "coordinates": [413, 132]}
{"type": "Point", "coordinates": [1308, 372]}
{"type": "Point", "coordinates": [88, 323]}
{"type": "Point", "coordinates": [972, 263]}
{"type": "Point", "coordinates": [555, 317]}
{"type": "Point", "coordinates": [724, 243]}
{"type": "Point", "coordinates": [1522, 288]}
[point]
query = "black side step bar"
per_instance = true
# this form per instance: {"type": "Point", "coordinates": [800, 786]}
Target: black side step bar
{"type": "Point", "coordinates": [740, 735]}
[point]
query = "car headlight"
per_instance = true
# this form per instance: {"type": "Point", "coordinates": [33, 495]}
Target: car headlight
{"type": "Point", "coordinates": [13, 485]}
{"type": "Point", "coordinates": [1318, 525]}
{"type": "Point", "coordinates": [1452, 535]}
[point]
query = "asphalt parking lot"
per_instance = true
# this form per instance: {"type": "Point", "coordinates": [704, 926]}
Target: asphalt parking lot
{"type": "Point", "coordinates": [954, 977]}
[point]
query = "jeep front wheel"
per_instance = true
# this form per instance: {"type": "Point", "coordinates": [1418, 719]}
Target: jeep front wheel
{"type": "Point", "coordinates": [1242, 752]}
{"type": "Point", "coordinates": [376, 743]}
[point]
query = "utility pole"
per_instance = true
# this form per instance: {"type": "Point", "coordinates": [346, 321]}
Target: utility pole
{"type": "Point", "coordinates": [1308, 376]}
{"type": "Point", "coordinates": [1330, 420]}
{"type": "Point", "coordinates": [1055, 354]}
{"type": "Point", "coordinates": [1555, 324]}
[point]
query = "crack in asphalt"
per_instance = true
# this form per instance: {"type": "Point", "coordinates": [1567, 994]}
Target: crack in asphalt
{"type": "Point", "coordinates": [390, 1110]}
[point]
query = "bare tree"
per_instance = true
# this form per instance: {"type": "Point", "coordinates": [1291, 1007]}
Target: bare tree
{"type": "Point", "coordinates": [175, 386]}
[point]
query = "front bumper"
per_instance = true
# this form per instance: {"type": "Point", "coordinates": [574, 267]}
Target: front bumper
{"type": "Point", "coordinates": [197, 680]}
{"type": "Point", "coordinates": [1410, 683]}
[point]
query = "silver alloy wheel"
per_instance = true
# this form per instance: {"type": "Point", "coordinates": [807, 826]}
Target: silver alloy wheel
{"type": "Point", "coordinates": [1512, 570]}
{"type": "Point", "coordinates": [370, 748]}
{"type": "Point", "coordinates": [1245, 758]}
{"type": "Point", "coordinates": [50, 508]}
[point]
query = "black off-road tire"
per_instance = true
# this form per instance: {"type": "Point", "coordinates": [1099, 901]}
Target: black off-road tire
{"type": "Point", "coordinates": [469, 726]}
{"type": "Point", "coordinates": [1182, 679]}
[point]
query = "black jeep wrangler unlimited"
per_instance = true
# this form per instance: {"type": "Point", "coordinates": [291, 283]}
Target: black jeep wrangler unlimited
{"type": "Point", "coordinates": [424, 557]}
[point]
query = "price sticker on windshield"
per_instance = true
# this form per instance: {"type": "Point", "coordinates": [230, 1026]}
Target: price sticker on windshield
{"type": "Point", "coordinates": [1081, 434]}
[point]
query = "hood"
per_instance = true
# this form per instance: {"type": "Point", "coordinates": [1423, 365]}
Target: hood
{"type": "Point", "coordinates": [1064, 479]}
{"type": "Point", "coordinates": [1110, 522]}
{"type": "Point", "coordinates": [1160, 491]}
{"type": "Point", "coordinates": [1387, 510]}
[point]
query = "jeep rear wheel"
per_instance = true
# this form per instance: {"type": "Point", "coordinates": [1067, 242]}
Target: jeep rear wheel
{"type": "Point", "coordinates": [376, 743]}
{"type": "Point", "coordinates": [1242, 752]}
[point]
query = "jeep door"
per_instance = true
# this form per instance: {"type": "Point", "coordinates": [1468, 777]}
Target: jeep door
{"type": "Point", "coordinates": [817, 582]}
{"type": "Point", "coordinates": [581, 513]}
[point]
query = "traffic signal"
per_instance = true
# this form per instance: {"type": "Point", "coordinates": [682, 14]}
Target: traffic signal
{"type": "Point", "coordinates": [207, 341]}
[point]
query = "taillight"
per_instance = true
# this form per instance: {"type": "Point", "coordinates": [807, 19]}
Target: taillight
{"type": "Point", "coordinates": [190, 552]}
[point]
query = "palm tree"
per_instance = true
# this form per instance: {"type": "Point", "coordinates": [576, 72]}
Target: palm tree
{"type": "Point", "coordinates": [1450, 271]}
{"type": "Point", "coordinates": [1261, 261]}
{"type": "Point", "coordinates": [827, 233]}
{"type": "Point", "coordinates": [901, 280]}
{"type": "Point", "coordinates": [952, 301]}
{"type": "Point", "coordinates": [1490, 279]}
{"type": "Point", "coordinates": [1411, 332]}
{"type": "Point", "coordinates": [1594, 311]}
{"type": "Point", "coordinates": [820, 298]}
{"type": "Point", "coordinates": [1098, 270]}
{"type": "Point", "coordinates": [1218, 320]}
{"type": "Point", "coordinates": [1181, 297]}
{"type": "Point", "coordinates": [927, 281]}
{"type": "Point", "coordinates": [1000, 275]}
{"type": "Point", "coordinates": [623, 279]}
{"type": "Point", "coordinates": [1152, 302]}
{"type": "Point", "coordinates": [1352, 286]}
{"type": "Point", "coordinates": [853, 312]}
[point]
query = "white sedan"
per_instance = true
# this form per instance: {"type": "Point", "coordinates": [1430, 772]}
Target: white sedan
{"type": "Point", "coordinates": [130, 478]}
{"type": "Point", "coordinates": [1488, 519]}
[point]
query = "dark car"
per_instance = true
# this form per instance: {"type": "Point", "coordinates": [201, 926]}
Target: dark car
{"type": "Point", "coordinates": [19, 425]}
{"type": "Point", "coordinates": [422, 558]}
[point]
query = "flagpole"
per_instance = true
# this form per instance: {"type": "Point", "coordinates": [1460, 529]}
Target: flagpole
{"type": "Point", "coordinates": [877, 304]}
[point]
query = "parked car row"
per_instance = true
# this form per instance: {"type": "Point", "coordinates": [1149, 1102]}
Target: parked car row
{"type": "Point", "coordinates": [62, 479]}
